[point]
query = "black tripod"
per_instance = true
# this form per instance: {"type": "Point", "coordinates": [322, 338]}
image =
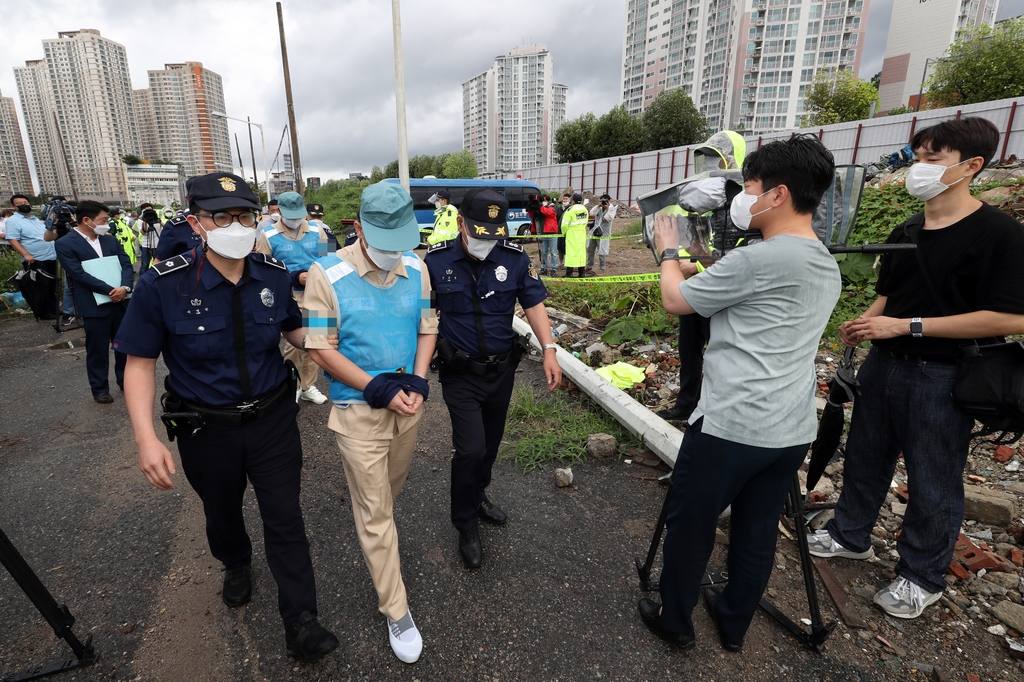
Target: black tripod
{"type": "Point", "coordinates": [57, 615]}
{"type": "Point", "coordinates": [815, 639]}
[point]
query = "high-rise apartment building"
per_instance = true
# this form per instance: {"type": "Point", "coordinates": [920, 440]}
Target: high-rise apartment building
{"type": "Point", "coordinates": [15, 177]}
{"type": "Point", "coordinates": [511, 111]}
{"type": "Point", "coordinates": [175, 119]}
{"type": "Point", "coordinates": [744, 63]}
{"type": "Point", "coordinates": [80, 94]}
{"type": "Point", "coordinates": [920, 32]}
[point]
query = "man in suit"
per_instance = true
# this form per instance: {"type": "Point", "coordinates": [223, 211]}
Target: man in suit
{"type": "Point", "coordinates": [89, 240]}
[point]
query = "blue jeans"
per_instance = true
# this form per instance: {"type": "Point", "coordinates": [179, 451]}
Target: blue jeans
{"type": "Point", "coordinates": [68, 305]}
{"type": "Point", "coordinates": [710, 474]}
{"type": "Point", "coordinates": [906, 406]}
{"type": "Point", "coordinates": [548, 254]}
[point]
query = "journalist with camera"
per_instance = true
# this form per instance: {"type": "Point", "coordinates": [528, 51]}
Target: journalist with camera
{"type": "Point", "coordinates": [769, 303]}
{"type": "Point", "coordinates": [27, 235]}
{"type": "Point", "coordinates": [149, 228]}
{"type": "Point", "coordinates": [963, 283]}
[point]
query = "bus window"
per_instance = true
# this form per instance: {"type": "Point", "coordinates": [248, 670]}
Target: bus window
{"type": "Point", "coordinates": [516, 196]}
{"type": "Point", "coordinates": [419, 198]}
{"type": "Point", "coordinates": [458, 194]}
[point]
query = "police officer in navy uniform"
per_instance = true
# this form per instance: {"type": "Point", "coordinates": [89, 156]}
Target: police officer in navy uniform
{"type": "Point", "coordinates": [177, 237]}
{"type": "Point", "coordinates": [477, 279]}
{"type": "Point", "coordinates": [217, 314]}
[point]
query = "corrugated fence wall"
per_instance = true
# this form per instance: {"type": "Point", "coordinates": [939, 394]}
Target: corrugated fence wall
{"type": "Point", "coordinates": [627, 177]}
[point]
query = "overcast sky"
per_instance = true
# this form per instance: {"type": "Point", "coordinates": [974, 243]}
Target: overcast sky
{"type": "Point", "coordinates": [342, 65]}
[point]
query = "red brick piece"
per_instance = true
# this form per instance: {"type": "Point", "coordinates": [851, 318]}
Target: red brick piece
{"type": "Point", "coordinates": [1017, 557]}
{"type": "Point", "coordinates": [816, 496]}
{"type": "Point", "coordinates": [1004, 453]}
{"type": "Point", "coordinates": [973, 678]}
{"type": "Point", "coordinates": [903, 493]}
{"type": "Point", "coordinates": [957, 569]}
{"type": "Point", "coordinates": [972, 557]}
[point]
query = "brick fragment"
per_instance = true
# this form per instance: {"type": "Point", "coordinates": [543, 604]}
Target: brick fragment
{"type": "Point", "coordinates": [957, 569]}
{"type": "Point", "coordinates": [1003, 453]}
{"type": "Point", "coordinates": [903, 493]}
{"type": "Point", "coordinates": [1017, 557]}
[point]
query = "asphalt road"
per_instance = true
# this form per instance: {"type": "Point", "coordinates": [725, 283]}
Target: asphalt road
{"type": "Point", "coordinates": [555, 600]}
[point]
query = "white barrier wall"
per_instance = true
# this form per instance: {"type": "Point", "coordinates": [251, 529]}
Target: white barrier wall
{"type": "Point", "coordinates": [627, 177]}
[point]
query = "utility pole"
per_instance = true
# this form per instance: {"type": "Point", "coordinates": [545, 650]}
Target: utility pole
{"type": "Point", "coordinates": [403, 141]}
{"type": "Point", "coordinates": [239, 150]}
{"type": "Point", "coordinates": [291, 106]}
{"type": "Point", "coordinates": [64, 153]}
{"type": "Point", "coordinates": [252, 150]}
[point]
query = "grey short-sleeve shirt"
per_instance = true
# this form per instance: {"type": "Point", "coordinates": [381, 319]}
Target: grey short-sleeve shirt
{"type": "Point", "coordinates": [768, 303]}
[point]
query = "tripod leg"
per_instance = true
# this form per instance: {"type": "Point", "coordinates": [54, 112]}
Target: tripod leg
{"type": "Point", "coordinates": [645, 569]}
{"type": "Point", "coordinates": [796, 503]}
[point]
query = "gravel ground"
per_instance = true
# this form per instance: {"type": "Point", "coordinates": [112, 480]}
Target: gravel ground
{"type": "Point", "coordinates": [555, 600]}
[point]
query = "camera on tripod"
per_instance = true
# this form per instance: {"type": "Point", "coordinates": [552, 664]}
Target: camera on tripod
{"type": "Point", "coordinates": [63, 220]}
{"type": "Point", "coordinates": [149, 219]}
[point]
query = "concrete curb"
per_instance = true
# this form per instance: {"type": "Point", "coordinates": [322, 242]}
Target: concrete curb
{"type": "Point", "coordinates": [657, 434]}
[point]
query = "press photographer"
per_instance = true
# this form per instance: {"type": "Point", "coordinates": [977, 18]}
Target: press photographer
{"type": "Point", "coordinates": [769, 303]}
{"type": "Point", "coordinates": [963, 283]}
{"type": "Point", "coordinates": [149, 228]}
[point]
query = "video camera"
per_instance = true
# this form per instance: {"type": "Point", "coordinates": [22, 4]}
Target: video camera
{"type": "Point", "coordinates": [699, 206]}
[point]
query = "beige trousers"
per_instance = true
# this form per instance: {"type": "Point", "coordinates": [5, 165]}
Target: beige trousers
{"type": "Point", "coordinates": [308, 370]}
{"type": "Point", "coordinates": [376, 471]}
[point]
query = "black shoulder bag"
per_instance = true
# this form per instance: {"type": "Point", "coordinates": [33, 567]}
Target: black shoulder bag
{"type": "Point", "coordinates": [990, 378]}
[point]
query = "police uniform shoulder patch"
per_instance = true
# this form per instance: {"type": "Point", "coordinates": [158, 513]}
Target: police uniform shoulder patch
{"type": "Point", "coordinates": [172, 264]}
{"type": "Point", "coordinates": [440, 246]}
{"type": "Point", "coordinates": [269, 260]}
{"type": "Point", "coordinates": [511, 245]}
{"type": "Point", "coordinates": [179, 220]}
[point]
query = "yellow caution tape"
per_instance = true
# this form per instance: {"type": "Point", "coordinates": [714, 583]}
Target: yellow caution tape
{"type": "Point", "coordinates": [610, 279]}
{"type": "Point", "coordinates": [556, 236]}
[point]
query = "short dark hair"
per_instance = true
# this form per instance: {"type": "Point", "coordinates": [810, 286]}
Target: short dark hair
{"type": "Point", "coordinates": [19, 196]}
{"type": "Point", "coordinates": [272, 202]}
{"type": "Point", "coordinates": [606, 197]}
{"type": "Point", "coordinates": [145, 204]}
{"type": "Point", "coordinates": [970, 136]}
{"type": "Point", "coordinates": [90, 209]}
{"type": "Point", "coordinates": [801, 163]}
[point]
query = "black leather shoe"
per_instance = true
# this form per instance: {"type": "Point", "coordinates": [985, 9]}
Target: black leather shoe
{"type": "Point", "coordinates": [237, 585]}
{"type": "Point", "coordinates": [711, 595]}
{"type": "Point", "coordinates": [470, 549]}
{"type": "Point", "coordinates": [308, 640]}
{"type": "Point", "coordinates": [674, 414]}
{"type": "Point", "coordinates": [103, 398]}
{"type": "Point", "coordinates": [650, 613]}
{"type": "Point", "coordinates": [491, 513]}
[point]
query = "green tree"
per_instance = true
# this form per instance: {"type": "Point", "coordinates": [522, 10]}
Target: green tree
{"type": "Point", "coordinates": [838, 97]}
{"type": "Point", "coordinates": [982, 65]}
{"type": "Point", "coordinates": [573, 138]}
{"type": "Point", "coordinates": [901, 109]}
{"type": "Point", "coordinates": [672, 121]}
{"type": "Point", "coordinates": [376, 174]}
{"type": "Point", "coordinates": [340, 199]}
{"type": "Point", "coordinates": [391, 171]}
{"type": "Point", "coordinates": [131, 160]}
{"type": "Point", "coordinates": [616, 133]}
{"type": "Point", "coordinates": [461, 164]}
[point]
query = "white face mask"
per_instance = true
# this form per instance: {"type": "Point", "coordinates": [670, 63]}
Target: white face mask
{"type": "Point", "coordinates": [924, 181]}
{"type": "Point", "coordinates": [101, 229]}
{"type": "Point", "coordinates": [565, 203]}
{"type": "Point", "coordinates": [233, 242]}
{"type": "Point", "coordinates": [739, 211]}
{"type": "Point", "coordinates": [385, 260]}
{"type": "Point", "coordinates": [292, 223]}
{"type": "Point", "coordinates": [479, 248]}
{"type": "Point", "coordinates": [274, 217]}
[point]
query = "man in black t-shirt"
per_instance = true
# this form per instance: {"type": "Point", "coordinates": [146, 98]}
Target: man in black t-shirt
{"type": "Point", "coordinates": [970, 255]}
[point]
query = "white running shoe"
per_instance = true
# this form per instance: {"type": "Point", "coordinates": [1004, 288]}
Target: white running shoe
{"type": "Point", "coordinates": [824, 545]}
{"type": "Point", "coordinates": [904, 599]}
{"type": "Point", "coordinates": [405, 638]}
{"type": "Point", "coordinates": [313, 395]}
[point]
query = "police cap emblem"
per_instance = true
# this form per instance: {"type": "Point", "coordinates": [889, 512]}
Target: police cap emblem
{"type": "Point", "coordinates": [492, 211]}
{"type": "Point", "coordinates": [267, 297]}
{"type": "Point", "coordinates": [229, 186]}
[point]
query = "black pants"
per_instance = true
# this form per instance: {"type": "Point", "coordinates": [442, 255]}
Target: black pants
{"type": "Point", "coordinates": [48, 300]}
{"type": "Point", "coordinates": [710, 474]}
{"type": "Point", "coordinates": [218, 460]}
{"type": "Point", "coordinates": [99, 333]}
{"type": "Point", "coordinates": [477, 406]}
{"type": "Point", "coordinates": [694, 332]}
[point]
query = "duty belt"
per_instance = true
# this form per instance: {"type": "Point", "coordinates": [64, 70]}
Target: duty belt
{"type": "Point", "coordinates": [246, 412]}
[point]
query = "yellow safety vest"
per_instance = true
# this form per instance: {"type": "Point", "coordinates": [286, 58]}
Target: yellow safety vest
{"type": "Point", "coordinates": [126, 237]}
{"type": "Point", "coordinates": [446, 225]}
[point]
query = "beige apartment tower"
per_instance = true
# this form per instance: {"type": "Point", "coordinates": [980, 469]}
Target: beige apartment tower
{"type": "Point", "coordinates": [176, 121]}
{"type": "Point", "coordinates": [80, 94]}
{"type": "Point", "coordinates": [15, 177]}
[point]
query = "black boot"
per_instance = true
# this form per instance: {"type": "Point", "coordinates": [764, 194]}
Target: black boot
{"type": "Point", "coordinates": [237, 585]}
{"type": "Point", "coordinates": [307, 639]}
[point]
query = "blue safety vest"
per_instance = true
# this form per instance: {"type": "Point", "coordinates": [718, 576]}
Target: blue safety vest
{"type": "Point", "coordinates": [378, 327]}
{"type": "Point", "coordinates": [297, 255]}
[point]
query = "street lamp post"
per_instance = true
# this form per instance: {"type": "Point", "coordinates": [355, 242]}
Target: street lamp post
{"type": "Point", "coordinates": [924, 77]}
{"type": "Point", "coordinates": [263, 143]}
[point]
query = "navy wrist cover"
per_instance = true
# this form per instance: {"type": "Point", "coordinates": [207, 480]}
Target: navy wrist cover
{"type": "Point", "coordinates": [384, 387]}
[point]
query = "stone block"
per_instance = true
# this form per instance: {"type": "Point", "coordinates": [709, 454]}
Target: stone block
{"type": "Point", "coordinates": [993, 507]}
{"type": "Point", "coordinates": [601, 446]}
{"type": "Point", "coordinates": [1011, 615]}
{"type": "Point", "coordinates": [563, 477]}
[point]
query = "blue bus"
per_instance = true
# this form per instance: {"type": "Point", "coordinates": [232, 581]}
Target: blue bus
{"type": "Point", "coordinates": [516, 191]}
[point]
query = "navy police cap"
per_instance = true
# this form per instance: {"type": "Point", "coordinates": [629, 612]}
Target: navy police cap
{"type": "Point", "coordinates": [484, 212]}
{"type": "Point", "coordinates": [220, 191]}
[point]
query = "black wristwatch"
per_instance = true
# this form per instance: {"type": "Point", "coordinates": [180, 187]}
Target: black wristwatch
{"type": "Point", "coordinates": [916, 328]}
{"type": "Point", "coordinates": [669, 254]}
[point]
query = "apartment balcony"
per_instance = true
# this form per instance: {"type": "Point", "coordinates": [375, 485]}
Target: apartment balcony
{"type": "Point", "coordinates": [750, 97]}
{"type": "Point", "coordinates": [761, 5]}
{"type": "Point", "coordinates": [759, 21]}
{"type": "Point", "coordinates": [755, 68]}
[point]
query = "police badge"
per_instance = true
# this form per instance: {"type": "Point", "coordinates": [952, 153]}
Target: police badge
{"type": "Point", "coordinates": [501, 273]}
{"type": "Point", "coordinates": [267, 297]}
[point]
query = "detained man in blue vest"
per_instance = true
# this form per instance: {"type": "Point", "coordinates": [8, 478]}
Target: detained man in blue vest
{"type": "Point", "coordinates": [376, 294]}
{"type": "Point", "coordinates": [297, 242]}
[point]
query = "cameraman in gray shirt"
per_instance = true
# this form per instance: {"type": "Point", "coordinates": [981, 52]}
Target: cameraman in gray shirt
{"type": "Point", "coordinates": [768, 303]}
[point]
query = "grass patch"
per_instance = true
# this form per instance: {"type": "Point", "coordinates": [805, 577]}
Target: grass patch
{"type": "Point", "coordinates": [10, 263]}
{"type": "Point", "coordinates": [635, 228]}
{"type": "Point", "coordinates": [554, 428]}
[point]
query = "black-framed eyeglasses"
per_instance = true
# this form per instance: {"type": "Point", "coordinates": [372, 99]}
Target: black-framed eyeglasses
{"type": "Point", "coordinates": [223, 218]}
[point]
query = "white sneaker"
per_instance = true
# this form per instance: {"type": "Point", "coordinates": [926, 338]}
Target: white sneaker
{"type": "Point", "coordinates": [904, 599]}
{"type": "Point", "coordinates": [405, 638]}
{"type": "Point", "coordinates": [313, 395]}
{"type": "Point", "coordinates": [824, 545]}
